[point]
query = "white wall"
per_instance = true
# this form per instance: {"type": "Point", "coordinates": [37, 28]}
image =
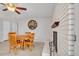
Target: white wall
{"type": "Point", "coordinates": [77, 29]}
{"type": "Point", "coordinates": [1, 24]}
{"type": "Point", "coordinates": [13, 26]}
{"type": "Point", "coordinates": [41, 31]}
{"type": "Point", "coordinates": [5, 28]}
{"type": "Point", "coordinates": [63, 14]}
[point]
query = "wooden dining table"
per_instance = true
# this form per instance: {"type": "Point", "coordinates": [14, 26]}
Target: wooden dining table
{"type": "Point", "coordinates": [23, 39]}
{"type": "Point", "coordinates": [20, 41]}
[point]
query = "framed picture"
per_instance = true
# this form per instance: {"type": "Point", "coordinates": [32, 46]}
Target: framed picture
{"type": "Point", "coordinates": [32, 24]}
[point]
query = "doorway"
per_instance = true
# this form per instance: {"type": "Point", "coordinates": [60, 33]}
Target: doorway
{"type": "Point", "coordinates": [55, 41]}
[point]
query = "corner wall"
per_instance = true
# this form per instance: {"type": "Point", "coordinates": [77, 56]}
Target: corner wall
{"type": "Point", "coordinates": [64, 13]}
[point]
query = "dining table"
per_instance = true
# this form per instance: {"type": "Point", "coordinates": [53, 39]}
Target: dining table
{"type": "Point", "coordinates": [23, 39]}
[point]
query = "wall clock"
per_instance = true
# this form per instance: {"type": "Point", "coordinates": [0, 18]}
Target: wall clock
{"type": "Point", "coordinates": [32, 24]}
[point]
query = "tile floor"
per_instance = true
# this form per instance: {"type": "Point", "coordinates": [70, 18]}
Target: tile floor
{"type": "Point", "coordinates": [36, 51]}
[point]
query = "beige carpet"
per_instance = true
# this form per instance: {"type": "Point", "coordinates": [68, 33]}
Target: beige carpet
{"type": "Point", "coordinates": [36, 51]}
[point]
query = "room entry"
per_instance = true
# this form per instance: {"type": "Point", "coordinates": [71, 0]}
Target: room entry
{"type": "Point", "coordinates": [55, 40]}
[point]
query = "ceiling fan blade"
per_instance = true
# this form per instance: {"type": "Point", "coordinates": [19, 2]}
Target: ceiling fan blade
{"type": "Point", "coordinates": [21, 8]}
{"type": "Point", "coordinates": [5, 9]}
{"type": "Point", "coordinates": [17, 11]}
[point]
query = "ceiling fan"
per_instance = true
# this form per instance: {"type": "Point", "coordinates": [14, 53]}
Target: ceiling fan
{"type": "Point", "coordinates": [12, 7]}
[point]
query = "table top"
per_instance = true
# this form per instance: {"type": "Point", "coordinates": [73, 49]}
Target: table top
{"type": "Point", "coordinates": [23, 37]}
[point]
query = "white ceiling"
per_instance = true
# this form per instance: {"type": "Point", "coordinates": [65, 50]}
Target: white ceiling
{"type": "Point", "coordinates": [38, 10]}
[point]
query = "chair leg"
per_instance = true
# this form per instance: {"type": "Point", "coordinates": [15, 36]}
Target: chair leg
{"type": "Point", "coordinates": [13, 50]}
{"type": "Point", "coordinates": [9, 49]}
{"type": "Point", "coordinates": [32, 45]}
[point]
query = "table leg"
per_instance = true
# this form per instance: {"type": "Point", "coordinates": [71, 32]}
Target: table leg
{"type": "Point", "coordinates": [23, 45]}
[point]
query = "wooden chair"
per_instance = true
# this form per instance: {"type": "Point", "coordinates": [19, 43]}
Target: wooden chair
{"type": "Point", "coordinates": [29, 41]}
{"type": "Point", "coordinates": [32, 39]}
{"type": "Point", "coordinates": [19, 41]}
{"type": "Point", "coordinates": [12, 41]}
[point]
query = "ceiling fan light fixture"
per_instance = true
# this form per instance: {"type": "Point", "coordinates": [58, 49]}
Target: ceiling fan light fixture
{"type": "Point", "coordinates": [11, 7]}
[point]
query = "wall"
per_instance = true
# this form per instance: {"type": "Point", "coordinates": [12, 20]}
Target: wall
{"type": "Point", "coordinates": [77, 29]}
{"type": "Point", "coordinates": [1, 30]}
{"type": "Point", "coordinates": [5, 28]}
{"type": "Point", "coordinates": [42, 30]}
{"type": "Point", "coordinates": [63, 13]}
{"type": "Point", "coordinates": [13, 27]}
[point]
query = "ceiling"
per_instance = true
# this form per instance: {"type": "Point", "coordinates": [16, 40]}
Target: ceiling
{"type": "Point", "coordinates": [37, 10]}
